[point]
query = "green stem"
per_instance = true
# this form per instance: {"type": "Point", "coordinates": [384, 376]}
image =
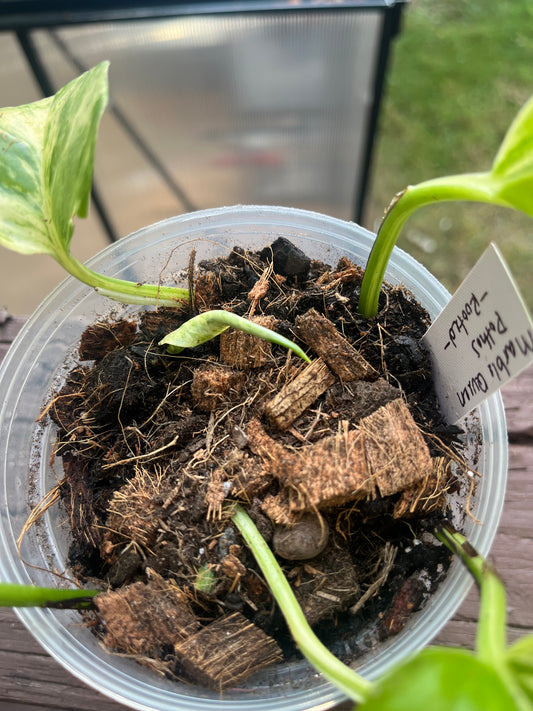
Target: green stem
{"type": "Point", "coordinates": [478, 187]}
{"type": "Point", "coordinates": [491, 630]}
{"type": "Point", "coordinates": [15, 595]}
{"type": "Point", "coordinates": [127, 292]}
{"type": "Point", "coordinates": [344, 678]}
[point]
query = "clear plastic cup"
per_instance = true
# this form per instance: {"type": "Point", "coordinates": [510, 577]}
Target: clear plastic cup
{"type": "Point", "coordinates": [36, 362]}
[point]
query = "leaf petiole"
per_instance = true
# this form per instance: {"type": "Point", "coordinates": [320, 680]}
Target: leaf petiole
{"type": "Point", "coordinates": [126, 292]}
{"type": "Point", "coordinates": [474, 186]}
{"type": "Point", "coordinates": [491, 631]}
{"type": "Point", "coordinates": [344, 678]}
{"type": "Point", "coordinates": [16, 595]}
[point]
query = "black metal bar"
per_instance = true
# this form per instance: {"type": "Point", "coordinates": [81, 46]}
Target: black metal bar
{"type": "Point", "coordinates": [103, 214]}
{"type": "Point", "coordinates": [390, 28]}
{"type": "Point", "coordinates": [45, 83]}
{"type": "Point", "coordinates": [33, 14]}
{"type": "Point", "coordinates": [34, 60]}
{"type": "Point", "coordinates": [132, 132]}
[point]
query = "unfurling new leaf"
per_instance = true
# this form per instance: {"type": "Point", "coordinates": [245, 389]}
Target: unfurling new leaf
{"type": "Point", "coordinates": [209, 324]}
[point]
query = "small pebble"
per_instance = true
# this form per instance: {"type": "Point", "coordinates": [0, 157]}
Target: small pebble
{"type": "Point", "coordinates": [305, 540]}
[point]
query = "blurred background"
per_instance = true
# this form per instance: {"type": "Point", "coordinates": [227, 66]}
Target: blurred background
{"type": "Point", "coordinates": [282, 108]}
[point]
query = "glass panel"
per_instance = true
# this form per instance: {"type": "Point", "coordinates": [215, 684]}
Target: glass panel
{"type": "Point", "coordinates": [248, 108]}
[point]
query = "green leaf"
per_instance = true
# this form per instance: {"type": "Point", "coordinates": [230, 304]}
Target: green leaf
{"type": "Point", "coordinates": [519, 659]}
{"type": "Point", "coordinates": [69, 146]}
{"type": "Point", "coordinates": [209, 324]}
{"type": "Point", "coordinates": [46, 169]}
{"type": "Point", "coordinates": [47, 155]}
{"type": "Point", "coordinates": [515, 154]}
{"type": "Point", "coordinates": [441, 679]}
{"type": "Point", "coordinates": [512, 170]}
{"type": "Point", "coordinates": [15, 595]}
{"type": "Point", "coordinates": [205, 580]}
{"type": "Point", "coordinates": [23, 225]}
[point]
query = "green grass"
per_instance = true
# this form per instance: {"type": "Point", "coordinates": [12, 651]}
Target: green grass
{"type": "Point", "coordinates": [460, 71]}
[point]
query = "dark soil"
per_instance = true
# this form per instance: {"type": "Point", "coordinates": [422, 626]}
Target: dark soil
{"type": "Point", "coordinates": [155, 446]}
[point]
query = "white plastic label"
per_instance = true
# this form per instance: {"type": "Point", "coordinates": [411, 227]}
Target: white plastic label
{"type": "Point", "coordinates": [482, 338]}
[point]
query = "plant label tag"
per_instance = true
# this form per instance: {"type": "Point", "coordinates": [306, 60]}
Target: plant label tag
{"type": "Point", "coordinates": [481, 339]}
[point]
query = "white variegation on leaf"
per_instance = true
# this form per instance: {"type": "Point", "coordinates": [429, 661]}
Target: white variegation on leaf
{"type": "Point", "coordinates": [24, 218]}
{"type": "Point", "coordinates": [46, 169]}
{"type": "Point", "coordinates": [47, 151]}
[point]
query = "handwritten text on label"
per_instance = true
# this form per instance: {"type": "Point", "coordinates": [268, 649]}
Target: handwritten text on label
{"type": "Point", "coordinates": [482, 338]}
{"type": "Point", "coordinates": [460, 322]}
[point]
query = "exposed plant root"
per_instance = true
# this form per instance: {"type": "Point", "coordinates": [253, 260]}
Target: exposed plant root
{"type": "Point", "coordinates": [384, 566]}
{"type": "Point", "coordinates": [38, 511]}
